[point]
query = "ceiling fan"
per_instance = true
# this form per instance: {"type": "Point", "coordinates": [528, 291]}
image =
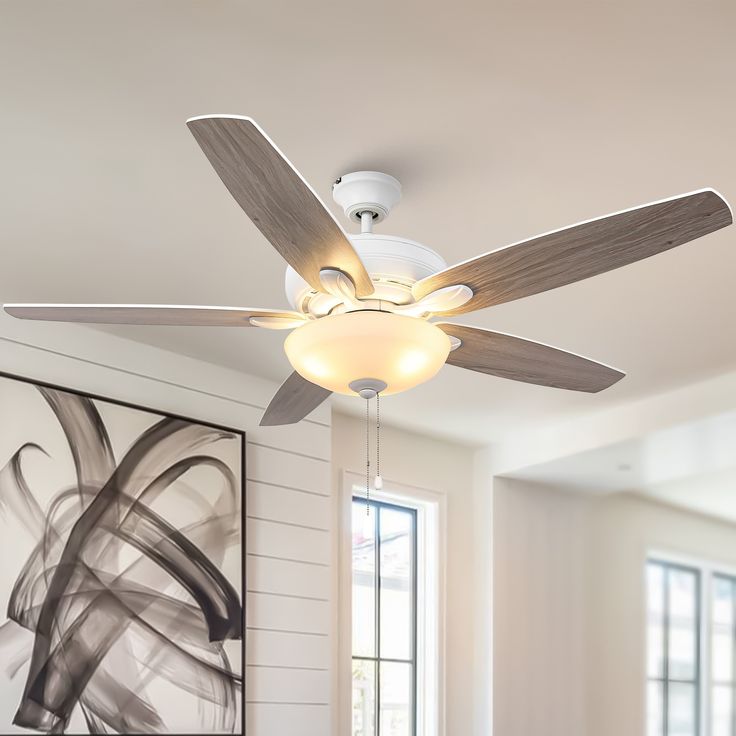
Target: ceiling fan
{"type": "Point", "coordinates": [361, 304]}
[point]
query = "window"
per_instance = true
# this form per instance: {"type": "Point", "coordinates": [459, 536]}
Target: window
{"type": "Point", "coordinates": [384, 620]}
{"type": "Point", "coordinates": [723, 643]}
{"type": "Point", "coordinates": [673, 650]}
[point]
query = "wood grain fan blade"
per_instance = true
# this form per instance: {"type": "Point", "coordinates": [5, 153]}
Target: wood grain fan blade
{"type": "Point", "coordinates": [513, 357]}
{"type": "Point", "coordinates": [278, 200]}
{"type": "Point", "coordinates": [580, 251]}
{"type": "Point", "coordinates": [296, 398]}
{"type": "Point", "coordinates": [145, 314]}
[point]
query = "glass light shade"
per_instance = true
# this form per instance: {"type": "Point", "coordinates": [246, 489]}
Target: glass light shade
{"type": "Point", "coordinates": [334, 351]}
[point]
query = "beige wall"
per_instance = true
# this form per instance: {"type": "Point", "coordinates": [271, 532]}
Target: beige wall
{"type": "Point", "coordinates": [622, 531]}
{"type": "Point", "coordinates": [416, 460]}
{"type": "Point", "coordinates": [569, 604]}
{"type": "Point", "coordinates": [539, 611]}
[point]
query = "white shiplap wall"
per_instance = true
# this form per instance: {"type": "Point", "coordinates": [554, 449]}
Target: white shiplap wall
{"type": "Point", "coordinates": [289, 580]}
{"type": "Point", "coordinates": [289, 532]}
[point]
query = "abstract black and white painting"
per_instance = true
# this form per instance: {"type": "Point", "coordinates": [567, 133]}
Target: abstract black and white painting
{"type": "Point", "coordinates": [121, 568]}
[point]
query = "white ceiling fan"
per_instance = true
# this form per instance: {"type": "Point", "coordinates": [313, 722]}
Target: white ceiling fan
{"type": "Point", "coordinates": [362, 304]}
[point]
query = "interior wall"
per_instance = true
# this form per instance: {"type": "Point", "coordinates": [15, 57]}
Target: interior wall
{"type": "Point", "coordinates": [539, 611]}
{"type": "Point", "coordinates": [416, 460]}
{"type": "Point", "coordinates": [289, 533]}
{"type": "Point", "coordinates": [569, 611]}
{"type": "Point", "coordinates": [623, 530]}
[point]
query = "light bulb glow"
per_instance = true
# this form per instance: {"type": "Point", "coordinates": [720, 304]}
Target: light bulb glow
{"type": "Point", "coordinates": [316, 367]}
{"type": "Point", "coordinates": [334, 351]}
{"type": "Point", "coordinates": [413, 362]}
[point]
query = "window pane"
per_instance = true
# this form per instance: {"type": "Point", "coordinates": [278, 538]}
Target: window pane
{"type": "Point", "coordinates": [364, 696]}
{"type": "Point", "coordinates": [655, 709]}
{"type": "Point", "coordinates": [722, 635]}
{"type": "Point", "coordinates": [673, 604]}
{"type": "Point", "coordinates": [364, 581]}
{"type": "Point", "coordinates": [722, 711]}
{"type": "Point", "coordinates": [682, 714]}
{"type": "Point", "coordinates": [396, 700]}
{"type": "Point", "coordinates": [723, 590]}
{"type": "Point", "coordinates": [683, 607]}
{"type": "Point", "coordinates": [655, 621]}
{"type": "Point", "coordinates": [397, 553]}
{"type": "Point", "coordinates": [722, 654]}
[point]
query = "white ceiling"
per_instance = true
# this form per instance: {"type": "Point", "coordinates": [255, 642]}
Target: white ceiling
{"type": "Point", "coordinates": [502, 120]}
{"type": "Point", "coordinates": [652, 460]}
{"type": "Point", "coordinates": [691, 465]}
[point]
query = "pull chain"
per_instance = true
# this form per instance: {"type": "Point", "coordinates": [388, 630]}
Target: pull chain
{"type": "Point", "coordinates": [378, 484]}
{"type": "Point", "coordinates": [367, 459]}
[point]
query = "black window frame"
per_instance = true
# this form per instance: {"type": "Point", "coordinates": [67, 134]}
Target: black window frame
{"type": "Point", "coordinates": [666, 681]}
{"type": "Point", "coordinates": [375, 509]}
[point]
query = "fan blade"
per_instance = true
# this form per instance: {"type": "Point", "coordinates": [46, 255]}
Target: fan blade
{"type": "Point", "coordinates": [296, 398]}
{"type": "Point", "coordinates": [146, 314]}
{"type": "Point", "coordinates": [580, 251]}
{"type": "Point", "coordinates": [512, 357]}
{"type": "Point", "coordinates": [278, 200]}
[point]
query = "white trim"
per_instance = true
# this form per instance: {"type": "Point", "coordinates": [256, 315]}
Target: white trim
{"type": "Point", "coordinates": [431, 507]}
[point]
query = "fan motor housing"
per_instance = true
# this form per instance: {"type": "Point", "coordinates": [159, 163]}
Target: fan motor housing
{"type": "Point", "coordinates": [393, 263]}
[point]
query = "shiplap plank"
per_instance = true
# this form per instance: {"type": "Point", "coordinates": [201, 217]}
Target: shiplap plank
{"type": "Point", "coordinates": [281, 649]}
{"type": "Point", "coordinates": [282, 685]}
{"type": "Point", "coordinates": [266, 611]}
{"type": "Point", "coordinates": [268, 719]}
{"type": "Point", "coordinates": [306, 438]}
{"type": "Point", "coordinates": [286, 578]}
{"type": "Point", "coordinates": [287, 542]}
{"type": "Point", "coordinates": [288, 469]}
{"type": "Point", "coordinates": [283, 504]}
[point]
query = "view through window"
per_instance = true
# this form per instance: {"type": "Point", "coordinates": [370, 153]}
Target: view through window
{"type": "Point", "coordinates": [384, 604]}
{"type": "Point", "coordinates": [673, 650]}
{"type": "Point", "coordinates": [691, 650]}
{"type": "Point", "coordinates": [723, 644]}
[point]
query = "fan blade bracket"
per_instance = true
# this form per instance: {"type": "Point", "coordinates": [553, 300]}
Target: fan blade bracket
{"type": "Point", "coordinates": [339, 284]}
{"type": "Point", "coordinates": [276, 323]}
{"type": "Point", "coordinates": [439, 301]}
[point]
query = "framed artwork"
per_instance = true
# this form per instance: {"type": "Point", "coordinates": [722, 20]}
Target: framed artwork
{"type": "Point", "coordinates": [121, 567]}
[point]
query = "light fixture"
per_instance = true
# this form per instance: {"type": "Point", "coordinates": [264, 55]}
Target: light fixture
{"type": "Point", "coordinates": [385, 348]}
